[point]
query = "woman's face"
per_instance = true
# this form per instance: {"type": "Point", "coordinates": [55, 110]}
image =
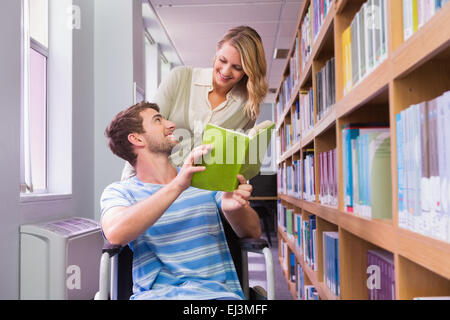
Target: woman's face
{"type": "Point", "coordinates": [227, 70]}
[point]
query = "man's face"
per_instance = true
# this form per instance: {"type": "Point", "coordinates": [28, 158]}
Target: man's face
{"type": "Point", "coordinates": [158, 133]}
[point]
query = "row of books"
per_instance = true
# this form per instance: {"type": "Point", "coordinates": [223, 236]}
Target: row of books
{"type": "Point", "coordinates": [306, 234]}
{"type": "Point", "coordinates": [301, 231]}
{"type": "Point", "coordinates": [325, 88]}
{"type": "Point", "coordinates": [328, 190]}
{"type": "Point", "coordinates": [381, 276]}
{"type": "Point", "coordinates": [284, 251]}
{"type": "Point", "coordinates": [423, 167]}
{"type": "Point", "coordinates": [299, 181]}
{"type": "Point", "coordinates": [321, 9]}
{"type": "Point", "coordinates": [366, 152]}
{"type": "Point", "coordinates": [286, 137]}
{"type": "Point", "coordinates": [307, 36]}
{"type": "Point", "coordinates": [308, 175]}
{"type": "Point", "coordinates": [417, 12]}
{"type": "Point", "coordinates": [364, 43]}
{"type": "Point", "coordinates": [331, 261]}
{"type": "Point", "coordinates": [284, 96]}
{"type": "Point", "coordinates": [295, 123]}
{"type": "Point", "coordinates": [306, 111]}
{"type": "Point", "coordinates": [294, 64]}
{"type": "Point", "coordinates": [304, 292]}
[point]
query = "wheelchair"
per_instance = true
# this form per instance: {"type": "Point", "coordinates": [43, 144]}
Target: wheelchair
{"type": "Point", "coordinates": [116, 283]}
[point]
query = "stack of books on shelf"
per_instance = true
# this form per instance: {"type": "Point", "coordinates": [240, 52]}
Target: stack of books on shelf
{"type": "Point", "coordinates": [281, 215]}
{"type": "Point", "coordinates": [423, 167]}
{"type": "Point", "coordinates": [297, 177]}
{"type": "Point", "coordinates": [306, 42]}
{"type": "Point", "coordinates": [284, 96]}
{"type": "Point", "coordinates": [292, 269]}
{"type": "Point", "coordinates": [298, 232]}
{"type": "Point", "coordinates": [290, 223]}
{"type": "Point", "coordinates": [328, 194]}
{"type": "Point", "coordinates": [300, 284]}
{"type": "Point", "coordinates": [381, 281]}
{"type": "Point", "coordinates": [417, 12]}
{"type": "Point", "coordinates": [306, 111]}
{"type": "Point", "coordinates": [321, 9]}
{"type": "Point", "coordinates": [294, 64]}
{"type": "Point", "coordinates": [285, 137]}
{"type": "Point", "coordinates": [296, 123]}
{"type": "Point", "coordinates": [325, 89]}
{"type": "Point", "coordinates": [331, 262]}
{"type": "Point", "coordinates": [281, 178]}
{"type": "Point", "coordinates": [309, 189]}
{"type": "Point", "coordinates": [310, 293]}
{"type": "Point", "coordinates": [308, 234]}
{"type": "Point", "coordinates": [366, 151]}
{"type": "Point", "coordinates": [364, 43]}
{"type": "Point", "coordinates": [284, 250]}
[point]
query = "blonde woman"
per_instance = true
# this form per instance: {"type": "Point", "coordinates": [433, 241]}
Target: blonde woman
{"type": "Point", "coordinates": [229, 94]}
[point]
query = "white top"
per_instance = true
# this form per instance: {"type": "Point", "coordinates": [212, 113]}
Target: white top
{"type": "Point", "coordinates": [183, 99]}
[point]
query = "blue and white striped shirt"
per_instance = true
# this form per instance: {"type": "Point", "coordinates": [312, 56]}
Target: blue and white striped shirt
{"type": "Point", "coordinates": [184, 255]}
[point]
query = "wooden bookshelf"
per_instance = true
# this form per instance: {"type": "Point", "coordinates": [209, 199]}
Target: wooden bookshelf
{"type": "Point", "coordinates": [414, 70]}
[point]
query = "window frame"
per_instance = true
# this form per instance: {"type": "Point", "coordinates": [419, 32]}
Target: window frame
{"type": "Point", "coordinates": [28, 44]}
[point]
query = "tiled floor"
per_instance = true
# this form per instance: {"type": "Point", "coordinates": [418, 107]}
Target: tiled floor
{"type": "Point", "coordinates": [257, 272]}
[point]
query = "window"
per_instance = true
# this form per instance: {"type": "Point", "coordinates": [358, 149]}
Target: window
{"type": "Point", "coordinates": [34, 112]}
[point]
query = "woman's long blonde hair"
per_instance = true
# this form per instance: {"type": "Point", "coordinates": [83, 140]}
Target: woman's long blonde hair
{"type": "Point", "coordinates": [253, 85]}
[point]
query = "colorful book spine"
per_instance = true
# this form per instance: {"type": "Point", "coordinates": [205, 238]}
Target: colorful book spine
{"type": "Point", "coordinates": [306, 111]}
{"type": "Point", "coordinates": [309, 191]}
{"type": "Point", "coordinates": [364, 42]}
{"type": "Point", "coordinates": [325, 88]}
{"type": "Point", "coordinates": [381, 281]}
{"type": "Point", "coordinates": [423, 144]}
{"type": "Point", "coordinates": [331, 261]}
{"type": "Point", "coordinates": [328, 178]}
{"type": "Point", "coordinates": [416, 13]}
{"type": "Point", "coordinates": [307, 37]}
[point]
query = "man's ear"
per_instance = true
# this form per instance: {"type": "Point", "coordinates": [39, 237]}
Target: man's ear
{"type": "Point", "coordinates": [136, 139]}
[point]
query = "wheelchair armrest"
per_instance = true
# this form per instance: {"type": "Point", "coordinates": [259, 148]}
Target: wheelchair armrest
{"type": "Point", "coordinates": [253, 245]}
{"type": "Point", "coordinates": [111, 249]}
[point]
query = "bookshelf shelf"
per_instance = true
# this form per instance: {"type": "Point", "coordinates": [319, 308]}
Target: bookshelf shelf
{"type": "Point", "coordinates": [379, 232]}
{"type": "Point", "coordinates": [375, 84]}
{"type": "Point", "coordinates": [305, 77]}
{"type": "Point", "coordinates": [427, 252]}
{"type": "Point", "coordinates": [404, 74]}
{"type": "Point", "coordinates": [295, 148]}
{"type": "Point", "coordinates": [312, 276]}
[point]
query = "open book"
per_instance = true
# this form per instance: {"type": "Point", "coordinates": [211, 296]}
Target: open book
{"type": "Point", "coordinates": [233, 153]}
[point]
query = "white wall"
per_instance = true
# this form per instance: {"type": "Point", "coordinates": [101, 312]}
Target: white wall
{"type": "Point", "coordinates": [115, 72]}
{"type": "Point", "coordinates": [13, 212]}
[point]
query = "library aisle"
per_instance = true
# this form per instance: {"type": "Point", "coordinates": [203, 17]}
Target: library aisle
{"type": "Point", "coordinates": [363, 149]}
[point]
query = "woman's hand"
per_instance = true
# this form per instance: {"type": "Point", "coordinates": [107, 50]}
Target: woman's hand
{"type": "Point", "coordinates": [232, 201]}
{"type": "Point", "coordinates": [184, 177]}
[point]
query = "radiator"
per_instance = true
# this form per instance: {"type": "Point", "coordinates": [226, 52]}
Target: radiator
{"type": "Point", "coordinates": [60, 260]}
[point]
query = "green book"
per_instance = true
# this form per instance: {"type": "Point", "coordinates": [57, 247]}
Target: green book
{"type": "Point", "coordinates": [233, 153]}
{"type": "Point", "coordinates": [379, 166]}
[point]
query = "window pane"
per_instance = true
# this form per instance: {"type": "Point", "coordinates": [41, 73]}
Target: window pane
{"type": "Point", "coordinates": [39, 21]}
{"type": "Point", "coordinates": [38, 118]}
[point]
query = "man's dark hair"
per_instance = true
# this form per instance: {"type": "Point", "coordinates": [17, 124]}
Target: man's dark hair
{"type": "Point", "coordinates": [126, 122]}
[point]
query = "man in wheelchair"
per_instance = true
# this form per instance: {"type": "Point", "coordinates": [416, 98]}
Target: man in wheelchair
{"type": "Point", "coordinates": [174, 230]}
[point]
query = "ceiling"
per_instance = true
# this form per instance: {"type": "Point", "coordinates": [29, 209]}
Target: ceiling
{"type": "Point", "coordinates": [194, 27]}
